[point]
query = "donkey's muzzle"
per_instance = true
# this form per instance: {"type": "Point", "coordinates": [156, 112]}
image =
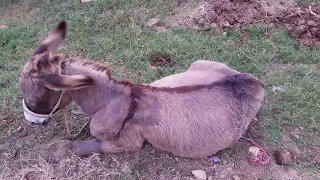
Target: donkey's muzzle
{"type": "Point", "coordinates": [34, 118]}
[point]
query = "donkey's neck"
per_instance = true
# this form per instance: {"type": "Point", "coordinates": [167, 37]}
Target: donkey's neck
{"type": "Point", "coordinates": [106, 90]}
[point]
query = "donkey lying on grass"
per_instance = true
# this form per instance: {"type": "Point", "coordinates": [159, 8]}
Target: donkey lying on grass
{"type": "Point", "coordinates": [192, 114]}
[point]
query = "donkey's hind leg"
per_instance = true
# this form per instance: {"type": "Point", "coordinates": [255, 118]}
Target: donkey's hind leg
{"type": "Point", "coordinates": [129, 140]}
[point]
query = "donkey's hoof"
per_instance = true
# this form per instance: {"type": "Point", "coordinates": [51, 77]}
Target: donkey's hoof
{"type": "Point", "coordinates": [84, 148]}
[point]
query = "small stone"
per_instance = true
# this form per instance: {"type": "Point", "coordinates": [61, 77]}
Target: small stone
{"type": "Point", "coordinates": [214, 159]}
{"type": "Point", "coordinates": [235, 177]}
{"type": "Point", "coordinates": [86, 1]}
{"type": "Point", "coordinates": [199, 174]}
{"type": "Point", "coordinates": [153, 22]}
{"type": "Point", "coordinates": [283, 157]}
{"type": "Point", "coordinates": [224, 34]}
{"type": "Point", "coordinates": [4, 27]}
{"type": "Point", "coordinates": [311, 23]}
{"type": "Point", "coordinates": [225, 24]}
{"type": "Point", "coordinates": [276, 89]}
{"type": "Point", "coordinates": [177, 159]}
{"type": "Point", "coordinates": [152, 67]}
{"type": "Point", "coordinates": [153, 151]}
{"type": "Point", "coordinates": [78, 111]}
{"type": "Point", "coordinates": [210, 178]}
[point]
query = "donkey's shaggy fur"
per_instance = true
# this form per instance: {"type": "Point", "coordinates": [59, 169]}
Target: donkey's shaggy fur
{"type": "Point", "coordinates": [192, 114]}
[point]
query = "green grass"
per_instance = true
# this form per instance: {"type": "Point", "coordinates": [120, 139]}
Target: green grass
{"type": "Point", "coordinates": [114, 30]}
{"type": "Point", "coordinates": [297, 106]}
{"type": "Point", "coordinates": [307, 1]}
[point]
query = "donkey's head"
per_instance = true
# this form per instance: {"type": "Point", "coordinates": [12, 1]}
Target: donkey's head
{"type": "Point", "coordinates": [42, 83]}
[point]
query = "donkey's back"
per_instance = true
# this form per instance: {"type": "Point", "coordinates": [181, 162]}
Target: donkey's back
{"type": "Point", "coordinates": [200, 72]}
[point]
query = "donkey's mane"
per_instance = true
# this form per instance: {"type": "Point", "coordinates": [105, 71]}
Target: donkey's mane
{"type": "Point", "coordinates": [88, 66]}
{"type": "Point", "coordinates": [93, 67]}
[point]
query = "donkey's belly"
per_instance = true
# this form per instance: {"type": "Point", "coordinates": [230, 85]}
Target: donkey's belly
{"type": "Point", "coordinates": [193, 142]}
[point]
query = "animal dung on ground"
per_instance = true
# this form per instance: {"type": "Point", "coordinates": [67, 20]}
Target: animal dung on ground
{"type": "Point", "coordinates": [295, 152]}
{"type": "Point", "coordinates": [283, 157]}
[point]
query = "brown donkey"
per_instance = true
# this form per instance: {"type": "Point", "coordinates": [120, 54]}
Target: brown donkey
{"type": "Point", "coordinates": [191, 114]}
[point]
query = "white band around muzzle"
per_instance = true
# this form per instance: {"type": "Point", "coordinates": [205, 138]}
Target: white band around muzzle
{"type": "Point", "coordinates": [34, 117]}
{"type": "Point", "coordinates": [39, 118]}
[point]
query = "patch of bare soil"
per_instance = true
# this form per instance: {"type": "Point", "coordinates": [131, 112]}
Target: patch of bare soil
{"type": "Point", "coordinates": [302, 22]}
{"type": "Point", "coordinates": [219, 13]}
{"type": "Point", "coordinates": [161, 59]}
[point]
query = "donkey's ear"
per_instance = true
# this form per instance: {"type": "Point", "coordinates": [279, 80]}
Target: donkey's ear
{"type": "Point", "coordinates": [67, 82]}
{"type": "Point", "coordinates": [54, 40]}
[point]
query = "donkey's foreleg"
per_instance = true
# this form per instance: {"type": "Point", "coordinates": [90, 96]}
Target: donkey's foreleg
{"type": "Point", "coordinates": [128, 140]}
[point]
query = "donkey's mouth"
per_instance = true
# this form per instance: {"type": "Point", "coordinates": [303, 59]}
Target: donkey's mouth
{"type": "Point", "coordinates": [35, 118]}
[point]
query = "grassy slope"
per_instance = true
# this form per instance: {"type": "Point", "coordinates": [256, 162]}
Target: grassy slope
{"type": "Point", "coordinates": [112, 32]}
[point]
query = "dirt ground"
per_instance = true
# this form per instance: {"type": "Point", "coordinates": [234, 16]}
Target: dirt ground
{"type": "Point", "coordinates": [54, 159]}
{"type": "Point", "coordinates": [302, 22]}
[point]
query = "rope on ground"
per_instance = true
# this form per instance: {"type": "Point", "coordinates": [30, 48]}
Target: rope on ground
{"type": "Point", "coordinates": [257, 156]}
{"type": "Point", "coordinates": [71, 136]}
